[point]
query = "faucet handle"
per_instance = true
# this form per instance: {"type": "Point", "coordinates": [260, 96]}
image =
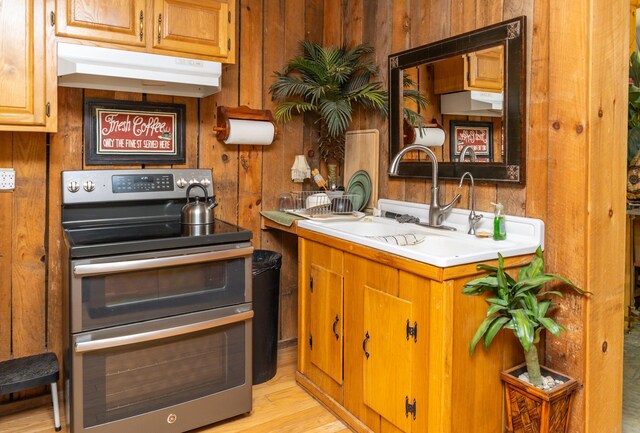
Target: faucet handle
{"type": "Point", "coordinates": [451, 203]}
{"type": "Point", "coordinates": [473, 220]}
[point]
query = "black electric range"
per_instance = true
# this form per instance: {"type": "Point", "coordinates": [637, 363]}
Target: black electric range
{"type": "Point", "coordinates": [107, 212]}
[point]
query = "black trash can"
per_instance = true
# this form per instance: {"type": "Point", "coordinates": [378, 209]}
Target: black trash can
{"type": "Point", "coordinates": [266, 294]}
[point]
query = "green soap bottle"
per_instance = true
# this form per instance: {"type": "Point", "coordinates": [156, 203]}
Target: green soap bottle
{"type": "Point", "coordinates": [499, 231]}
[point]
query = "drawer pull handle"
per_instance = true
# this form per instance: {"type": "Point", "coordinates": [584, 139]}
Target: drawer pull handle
{"type": "Point", "coordinates": [108, 343]}
{"type": "Point", "coordinates": [141, 26]}
{"type": "Point", "coordinates": [364, 344]}
{"type": "Point", "coordinates": [335, 325]}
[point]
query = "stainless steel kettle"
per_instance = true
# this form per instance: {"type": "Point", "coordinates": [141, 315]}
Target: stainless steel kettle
{"type": "Point", "coordinates": [197, 212]}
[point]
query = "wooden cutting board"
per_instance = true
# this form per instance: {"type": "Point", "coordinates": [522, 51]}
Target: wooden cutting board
{"type": "Point", "coordinates": [362, 152]}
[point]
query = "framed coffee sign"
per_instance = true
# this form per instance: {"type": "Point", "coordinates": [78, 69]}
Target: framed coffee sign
{"type": "Point", "coordinates": [478, 135]}
{"type": "Point", "coordinates": [128, 132]}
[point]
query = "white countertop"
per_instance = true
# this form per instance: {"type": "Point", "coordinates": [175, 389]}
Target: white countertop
{"type": "Point", "coordinates": [437, 247]}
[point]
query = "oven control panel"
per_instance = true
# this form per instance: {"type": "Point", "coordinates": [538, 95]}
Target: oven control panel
{"type": "Point", "coordinates": [126, 183]}
{"type": "Point", "coordinates": [87, 186]}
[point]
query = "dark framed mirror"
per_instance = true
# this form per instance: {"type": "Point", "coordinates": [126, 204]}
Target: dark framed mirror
{"type": "Point", "coordinates": [475, 85]}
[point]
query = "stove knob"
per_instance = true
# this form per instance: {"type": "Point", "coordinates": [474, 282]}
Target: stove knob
{"type": "Point", "coordinates": [73, 186]}
{"type": "Point", "coordinates": [89, 186]}
{"type": "Point", "coordinates": [206, 182]}
{"type": "Point", "coordinates": [181, 182]}
{"type": "Point", "coordinates": [192, 181]}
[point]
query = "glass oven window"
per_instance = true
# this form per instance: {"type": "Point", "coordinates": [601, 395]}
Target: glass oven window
{"type": "Point", "coordinates": [126, 381]}
{"type": "Point", "coordinates": [114, 299]}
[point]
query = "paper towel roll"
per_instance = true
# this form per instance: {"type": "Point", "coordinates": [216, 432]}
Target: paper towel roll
{"type": "Point", "coordinates": [250, 132]}
{"type": "Point", "coordinates": [430, 136]}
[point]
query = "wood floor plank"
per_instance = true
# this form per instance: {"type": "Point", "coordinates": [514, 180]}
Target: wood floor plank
{"type": "Point", "coordinates": [279, 405]}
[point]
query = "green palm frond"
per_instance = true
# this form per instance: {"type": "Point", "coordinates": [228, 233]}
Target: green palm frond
{"type": "Point", "coordinates": [289, 87]}
{"type": "Point", "coordinates": [286, 109]}
{"type": "Point", "coordinates": [411, 93]}
{"type": "Point", "coordinates": [337, 116]}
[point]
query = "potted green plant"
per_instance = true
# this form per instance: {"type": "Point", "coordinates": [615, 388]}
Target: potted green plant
{"type": "Point", "coordinates": [522, 306]}
{"type": "Point", "coordinates": [329, 81]}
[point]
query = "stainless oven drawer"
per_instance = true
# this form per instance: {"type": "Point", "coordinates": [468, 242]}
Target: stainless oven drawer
{"type": "Point", "coordinates": [117, 290]}
{"type": "Point", "coordinates": [168, 375]}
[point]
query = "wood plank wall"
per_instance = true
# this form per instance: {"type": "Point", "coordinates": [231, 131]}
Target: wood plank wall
{"type": "Point", "coordinates": [249, 178]}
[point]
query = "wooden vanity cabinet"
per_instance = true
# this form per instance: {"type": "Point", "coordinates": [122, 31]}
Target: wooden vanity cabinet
{"type": "Point", "coordinates": [481, 70]}
{"type": "Point", "coordinates": [28, 93]}
{"type": "Point", "coordinates": [200, 28]}
{"type": "Point", "coordinates": [405, 329]}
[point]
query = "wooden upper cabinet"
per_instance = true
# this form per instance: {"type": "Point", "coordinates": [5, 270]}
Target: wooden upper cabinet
{"type": "Point", "coordinates": [120, 21]}
{"type": "Point", "coordinates": [481, 70]}
{"type": "Point", "coordinates": [201, 28]}
{"type": "Point", "coordinates": [485, 69]}
{"type": "Point", "coordinates": [195, 26]}
{"type": "Point", "coordinates": [27, 84]}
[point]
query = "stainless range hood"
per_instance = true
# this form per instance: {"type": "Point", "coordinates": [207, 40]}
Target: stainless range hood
{"type": "Point", "coordinates": [108, 69]}
{"type": "Point", "coordinates": [472, 103]}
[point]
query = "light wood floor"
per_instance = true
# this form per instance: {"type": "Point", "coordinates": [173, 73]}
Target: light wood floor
{"type": "Point", "coordinates": [279, 405]}
{"type": "Point", "coordinates": [631, 388]}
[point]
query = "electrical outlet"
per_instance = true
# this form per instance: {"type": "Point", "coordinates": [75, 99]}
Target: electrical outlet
{"type": "Point", "coordinates": [7, 179]}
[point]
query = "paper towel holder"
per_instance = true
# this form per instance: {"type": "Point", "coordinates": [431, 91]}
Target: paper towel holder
{"type": "Point", "coordinates": [244, 113]}
{"type": "Point", "coordinates": [409, 132]}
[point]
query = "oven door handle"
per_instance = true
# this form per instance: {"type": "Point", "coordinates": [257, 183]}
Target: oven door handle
{"type": "Point", "coordinates": [159, 262]}
{"type": "Point", "coordinates": [125, 340]}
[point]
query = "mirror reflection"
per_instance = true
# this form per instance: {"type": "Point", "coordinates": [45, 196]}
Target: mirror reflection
{"type": "Point", "coordinates": [463, 97]}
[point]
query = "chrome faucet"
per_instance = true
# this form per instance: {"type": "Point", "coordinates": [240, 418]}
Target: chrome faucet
{"type": "Point", "coordinates": [472, 154]}
{"type": "Point", "coordinates": [436, 211]}
{"type": "Point", "coordinates": [473, 218]}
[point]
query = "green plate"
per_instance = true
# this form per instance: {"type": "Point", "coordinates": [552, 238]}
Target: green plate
{"type": "Point", "coordinates": [360, 186]}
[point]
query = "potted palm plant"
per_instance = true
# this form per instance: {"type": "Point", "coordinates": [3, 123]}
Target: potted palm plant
{"type": "Point", "coordinates": [330, 81]}
{"type": "Point", "coordinates": [522, 306]}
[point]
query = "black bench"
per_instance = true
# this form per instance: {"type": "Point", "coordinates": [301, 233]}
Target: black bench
{"type": "Point", "coordinates": [29, 372]}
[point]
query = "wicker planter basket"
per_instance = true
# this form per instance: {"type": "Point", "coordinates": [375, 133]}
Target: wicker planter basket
{"type": "Point", "coordinates": [532, 410]}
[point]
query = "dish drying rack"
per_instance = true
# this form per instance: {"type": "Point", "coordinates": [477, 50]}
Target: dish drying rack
{"type": "Point", "coordinates": [323, 203]}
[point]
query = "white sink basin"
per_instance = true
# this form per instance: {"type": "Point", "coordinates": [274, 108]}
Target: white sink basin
{"type": "Point", "coordinates": [436, 247]}
{"type": "Point", "coordinates": [374, 227]}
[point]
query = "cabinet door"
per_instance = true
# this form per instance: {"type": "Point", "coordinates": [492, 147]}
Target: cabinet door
{"type": "Point", "coordinates": [388, 356]}
{"type": "Point", "coordinates": [326, 321]}
{"type": "Point", "coordinates": [481, 70]}
{"type": "Point", "coordinates": [485, 69]}
{"type": "Point", "coordinates": [320, 270]}
{"type": "Point", "coordinates": [193, 26]}
{"type": "Point", "coordinates": [27, 84]}
{"type": "Point", "coordinates": [118, 21]}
